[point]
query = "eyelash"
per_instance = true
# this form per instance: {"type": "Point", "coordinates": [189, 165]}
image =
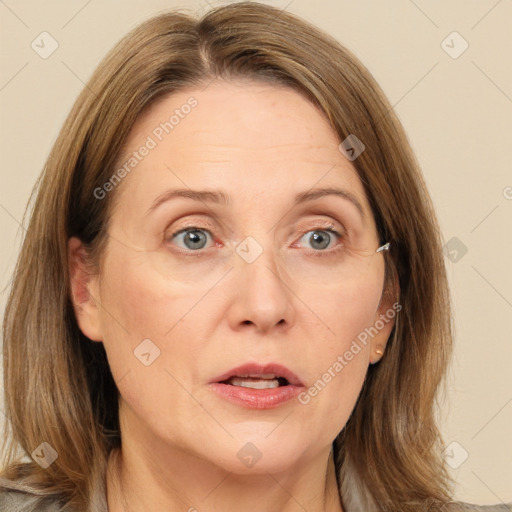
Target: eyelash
{"type": "Point", "coordinates": [313, 252]}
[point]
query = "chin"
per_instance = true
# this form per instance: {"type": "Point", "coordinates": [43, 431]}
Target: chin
{"type": "Point", "coordinates": [262, 451]}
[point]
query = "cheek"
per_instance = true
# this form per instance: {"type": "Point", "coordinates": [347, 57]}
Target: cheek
{"type": "Point", "coordinates": [150, 336]}
{"type": "Point", "coordinates": [139, 305]}
{"type": "Point", "coordinates": [141, 301]}
{"type": "Point", "coordinates": [339, 358]}
{"type": "Point", "coordinates": [346, 310]}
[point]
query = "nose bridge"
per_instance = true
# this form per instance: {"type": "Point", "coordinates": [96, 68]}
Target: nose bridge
{"type": "Point", "coordinates": [263, 298]}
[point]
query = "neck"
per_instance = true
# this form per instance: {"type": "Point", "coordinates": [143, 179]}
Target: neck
{"type": "Point", "coordinates": [142, 478]}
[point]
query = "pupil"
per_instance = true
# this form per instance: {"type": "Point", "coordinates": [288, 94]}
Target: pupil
{"type": "Point", "coordinates": [321, 238]}
{"type": "Point", "coordinates": [195, 239]}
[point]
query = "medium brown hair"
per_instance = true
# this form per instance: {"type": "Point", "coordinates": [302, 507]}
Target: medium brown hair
{"type": "Point", "coordinates": [58, 385]}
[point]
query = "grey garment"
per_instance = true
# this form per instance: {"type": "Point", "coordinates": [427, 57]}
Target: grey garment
{"type": "Point", "coordinates": [468, 507]}
{"type": "Point", "coordinates": [14, 499]}
{"type": "Point", "coordinates": [18, 501]}
{"type": "Point", "coordinates": [17, 497]}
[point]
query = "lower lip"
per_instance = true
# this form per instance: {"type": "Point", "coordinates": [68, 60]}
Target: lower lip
{"type": "Point", "coordinates": [257, 398]}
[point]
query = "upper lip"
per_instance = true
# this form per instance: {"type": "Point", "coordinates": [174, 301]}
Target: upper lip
{"type": "Point", "coordinates": [259, 370]}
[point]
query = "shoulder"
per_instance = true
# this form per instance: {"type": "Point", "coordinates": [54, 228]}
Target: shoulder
{"type": "Point", "coordinates": [16, 497]}
{"type": "Point", "coordinates": [469, 507]}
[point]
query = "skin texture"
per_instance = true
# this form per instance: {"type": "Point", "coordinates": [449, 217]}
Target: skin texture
{"type": "Point", "coordinates": [206, 314]}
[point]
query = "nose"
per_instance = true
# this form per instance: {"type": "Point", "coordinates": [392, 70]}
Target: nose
{"type": "Point", "coordinates": [262, 301]}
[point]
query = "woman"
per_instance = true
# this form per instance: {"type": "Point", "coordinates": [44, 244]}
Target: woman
{"type": "Point", "coordinates": [231, 294]}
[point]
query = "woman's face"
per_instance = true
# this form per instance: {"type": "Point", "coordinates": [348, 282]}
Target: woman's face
{"type": "Point", "coordinates": [192, 287]}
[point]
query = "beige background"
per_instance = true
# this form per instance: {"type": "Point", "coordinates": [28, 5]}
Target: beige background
{"type": "Point", "coordinates": [456, 111]}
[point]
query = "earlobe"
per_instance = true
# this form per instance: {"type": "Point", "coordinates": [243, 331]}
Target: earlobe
{"type": "Point", "coordinates": [384, 324]}
{"type": "Point", "coordinates": [385, 320]}
{"type": "Point", "coordinates": [84, 290]}
{"type": "Point", "coordinates": [377, 354]}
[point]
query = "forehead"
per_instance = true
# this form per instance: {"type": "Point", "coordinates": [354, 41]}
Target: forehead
{"type": "Point", "coordinates": [241, 115]}
{"type": "Point", "coordinates": [253, 137]}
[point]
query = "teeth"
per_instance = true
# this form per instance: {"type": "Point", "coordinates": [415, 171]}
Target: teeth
{"type": "Point", "coordinates": [264, 376]}
{"type": "Point", "coordinates": [261, 383]}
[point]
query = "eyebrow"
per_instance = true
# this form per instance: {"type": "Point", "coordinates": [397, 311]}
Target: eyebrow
{"type": "Point", "coordinates": [316, 193]}
{"type": "Point", "coordinates": [220, 197]}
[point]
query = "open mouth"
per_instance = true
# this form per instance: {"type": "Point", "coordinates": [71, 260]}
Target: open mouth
{"type": "Point", "coordinates": [258, 386]}
{"type": "Point", "coordinates": [268, 381]}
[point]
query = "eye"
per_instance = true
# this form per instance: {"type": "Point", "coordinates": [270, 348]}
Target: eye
{"type": "Point", "coordinates": [191, 238]}
{"type": "Point", "coordinates": [194, 239]}
{"type": "Point", "coordinates": [320, 239]}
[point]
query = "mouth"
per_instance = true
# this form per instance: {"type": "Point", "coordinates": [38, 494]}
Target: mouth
{"type": "Point", "coordinates": [256, 386]}
{"type": "Point", "coordinates": [267, 381]}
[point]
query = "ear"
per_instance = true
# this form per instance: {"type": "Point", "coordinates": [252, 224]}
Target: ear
{"type": "Point", "coordinates": [84, 290]}
{"type": "Point", "coordinates": [385, 319]}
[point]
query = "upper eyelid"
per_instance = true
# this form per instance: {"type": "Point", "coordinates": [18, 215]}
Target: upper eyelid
{"type": "Point", "coordinates": [210, 225]}
{"type": "Point", "coordinates": [324, 224]}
